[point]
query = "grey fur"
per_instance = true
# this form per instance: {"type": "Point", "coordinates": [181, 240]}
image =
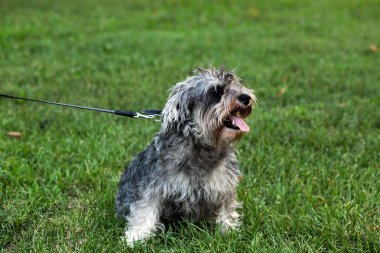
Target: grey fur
{"type": "Point", "coordinates": [189, 170]}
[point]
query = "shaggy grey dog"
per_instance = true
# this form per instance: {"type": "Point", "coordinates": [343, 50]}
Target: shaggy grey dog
{"type": "Point", "coordinates": [189, 170]}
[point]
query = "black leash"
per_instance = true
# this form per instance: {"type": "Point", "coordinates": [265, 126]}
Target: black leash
{"type": "Point", "coordinates": [147, 113]}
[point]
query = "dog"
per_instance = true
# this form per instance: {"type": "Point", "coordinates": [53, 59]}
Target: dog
{"type": "Point", "coordinates": [189, 170]}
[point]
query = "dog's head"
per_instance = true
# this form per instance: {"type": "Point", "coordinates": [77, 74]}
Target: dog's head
{"type": "Point", "coordinates": [210, 106]}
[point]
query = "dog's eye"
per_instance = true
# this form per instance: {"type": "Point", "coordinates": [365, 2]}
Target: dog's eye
{"type": "Point", "coordinates": [216, 93]}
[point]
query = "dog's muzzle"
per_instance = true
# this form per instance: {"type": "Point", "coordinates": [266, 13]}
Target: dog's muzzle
{"type": "Point", "coordinates": [236, 118]}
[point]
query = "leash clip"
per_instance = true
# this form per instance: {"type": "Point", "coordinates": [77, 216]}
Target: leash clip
{"type": "Point", "coordinates": [149, 114]}
{"type": "Point", "coordinates": [139, 115]}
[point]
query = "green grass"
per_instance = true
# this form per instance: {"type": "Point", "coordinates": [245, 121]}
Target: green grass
{"type": "Point", "coordinates": [311, 163]}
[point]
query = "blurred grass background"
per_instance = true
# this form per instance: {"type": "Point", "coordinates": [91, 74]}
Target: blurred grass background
{"type": "Point", "coordinates": [311, 162]}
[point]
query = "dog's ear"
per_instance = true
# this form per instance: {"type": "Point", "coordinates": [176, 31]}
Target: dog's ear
{"type": "Point", "coordinates": [228, 78]}
{"type": "Point", "coordinates": [177, 114]}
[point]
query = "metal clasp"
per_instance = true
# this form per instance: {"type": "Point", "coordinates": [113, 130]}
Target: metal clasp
{"type": "Point", "coordinates": [147, 116]}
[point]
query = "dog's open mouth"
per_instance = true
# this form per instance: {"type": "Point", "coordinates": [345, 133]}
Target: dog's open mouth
{"type": "Point", "coordinates": [236, 122]}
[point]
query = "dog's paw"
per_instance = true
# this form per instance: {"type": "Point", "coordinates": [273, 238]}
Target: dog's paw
{"type": "Point", "coordinates": [127, 241]}
{"type": "Point", "coordinates": [228, 221]}
{"type": "Point", "coordinates": [228, 225]}
{"type": "Point", "coordinates": [130, 241]}
{"type": "Point", "coordinates": [133, 237]}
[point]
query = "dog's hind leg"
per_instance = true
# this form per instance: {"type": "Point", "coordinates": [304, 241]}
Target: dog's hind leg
{"type": "Point", "coordinates": [143, 220]}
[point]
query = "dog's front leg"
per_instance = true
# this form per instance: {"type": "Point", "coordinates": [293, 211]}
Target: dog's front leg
{"type": "Point", "coordinates": [142, 220]}
{"type": "Point", "coordinates": [227, 217]}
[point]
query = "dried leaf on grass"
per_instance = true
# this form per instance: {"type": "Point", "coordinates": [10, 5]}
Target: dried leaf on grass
{"type": "Point", "coordinates": [281, 92]}
{"type": "Point", "coordinates": [373, 48]}
{"type": "Point", "coordinates": [14, 134]}
{"type": "Point", "coordinates": [253, 12]}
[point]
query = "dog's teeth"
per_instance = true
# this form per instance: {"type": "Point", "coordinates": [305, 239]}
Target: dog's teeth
{"type": "Point", "coordinates": [233, 122]}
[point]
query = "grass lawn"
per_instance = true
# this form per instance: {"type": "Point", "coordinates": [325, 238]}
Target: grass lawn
{"type": "Point", "coordinates": [311, 163]}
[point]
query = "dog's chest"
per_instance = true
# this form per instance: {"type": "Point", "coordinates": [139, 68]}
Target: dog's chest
{"type": "Point", "coordinates": [198, 186]}
{"type": "Point", "coordinates": [220, 181]}
{"type": "Point", "coordinates": [195, 195]}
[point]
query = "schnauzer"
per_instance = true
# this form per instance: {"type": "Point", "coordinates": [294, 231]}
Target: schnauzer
{"type": "Point", "coordinates": [189, 170]}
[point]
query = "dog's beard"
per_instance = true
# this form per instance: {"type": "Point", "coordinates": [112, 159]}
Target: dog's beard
{"type": "Point", "coordinates": [223, 124]}
{"type": "Point", "coordinates": [234, 126]}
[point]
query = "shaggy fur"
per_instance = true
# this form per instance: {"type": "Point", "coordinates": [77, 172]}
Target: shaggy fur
{"type": "Point", "coordinates": [189, 170]}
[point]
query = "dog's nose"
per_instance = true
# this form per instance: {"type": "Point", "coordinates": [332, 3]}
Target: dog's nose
{"type": "Point", "coordinates": [244, 99]}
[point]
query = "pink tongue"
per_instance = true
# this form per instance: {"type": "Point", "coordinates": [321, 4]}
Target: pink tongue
{"type": "Point", "coordinates": [240, 123]}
